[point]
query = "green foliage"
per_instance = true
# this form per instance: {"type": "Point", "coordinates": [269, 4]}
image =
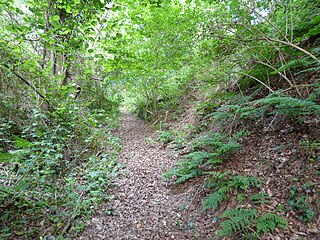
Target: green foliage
{"type": "Point", "coordinates": [219, 143]}
{"type": "Point", "coordinates": [260, 198]}
{"type": "Point", "coordinates": [210, 150]}
{"type": "Point", "coordinates": [52, 134]}
{"type": "Point", "coordinates": [166, 136]}
{"type": "Point", "coordinates": [296, 64]}
{"type": "Point", "coordinates": [275, 103]}
{"type": "Point", "coordinates": [312, 148]}
{"type": "Point", "coordinates": [188, 167]}
{"type": "Point", "coordinates": [298, 203]}
{"type": "Point", "coordinates": [243, 183]}
{"type": "Point", "coordinates": [176, 138]}
{"type": "Point", "coordinates": [268, 223]}
{"type": "Point", "coordinates": [288, 105]}
{"type": "Point", "coordinates": [225, 185]}
{"type": "Point", "coordinates": [237, 220]}
{"type": "Point", "coordinates": [243, 221]}
{"type": "Point", "coordinates": [54, 169]}
{"type": "Point", "coordinates": [215, 199]}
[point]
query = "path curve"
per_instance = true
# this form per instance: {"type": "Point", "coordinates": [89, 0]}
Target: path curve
{"type": "Point", "coordinates": [143, 207]}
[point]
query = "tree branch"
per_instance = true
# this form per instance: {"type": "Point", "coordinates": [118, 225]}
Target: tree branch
{"type": "Point", "coordinates": [28, 84]}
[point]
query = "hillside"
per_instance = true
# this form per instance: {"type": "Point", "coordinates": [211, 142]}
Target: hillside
{"type": "Point", "coordinates": [272, 167]}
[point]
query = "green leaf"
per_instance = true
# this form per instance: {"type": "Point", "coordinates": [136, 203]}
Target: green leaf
{"type": "Point", "coordinates": [56, 18]}
{"type": "Point", "coordinates": [23, 186]}
{"type": "Point", "coordinates": [5, 157]}
{"type": "Point", "coordinates": [213, 200]}
{"type": "Point", "coordinates": [22, 143]}
{"type": "Point", "coordinates": [268, 223]}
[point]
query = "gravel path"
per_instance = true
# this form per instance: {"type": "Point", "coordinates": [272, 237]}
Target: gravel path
{"type": "Point", "coordinates": [143, 207]}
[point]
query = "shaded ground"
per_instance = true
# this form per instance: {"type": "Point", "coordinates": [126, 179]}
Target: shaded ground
{"type": "Point", "coordinates": [144, 206]}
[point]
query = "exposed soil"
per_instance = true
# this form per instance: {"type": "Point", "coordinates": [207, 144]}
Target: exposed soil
{"type": "Point", "coordinates": [145, 207]}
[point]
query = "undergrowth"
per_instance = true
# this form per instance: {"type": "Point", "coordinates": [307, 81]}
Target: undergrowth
{"type": "Point", "coordinates": [273, 104]}
{"type": "Point", "coordinates": [224, 185]}
{"type": "Point", "coordinates": [54, 172]}
{"type": "Point", "coordinates": [248, 224]}
{"type": "Point", "coordinates": [298, 202]}
{"type": "Point", "coordinates": [209, 152]}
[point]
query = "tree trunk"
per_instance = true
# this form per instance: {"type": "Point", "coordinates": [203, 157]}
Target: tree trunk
{"type": "Point", "coordinates": [53, 61]}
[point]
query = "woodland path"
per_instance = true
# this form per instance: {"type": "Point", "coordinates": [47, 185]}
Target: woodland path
{"type": "Point", "coordinates": [143, 207]}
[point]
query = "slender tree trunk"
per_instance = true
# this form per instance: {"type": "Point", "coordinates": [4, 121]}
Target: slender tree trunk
{"type": "Point", "coordinates": [44, 56]}
{"type": "Point", "coordinates": [65, 70]}
{"type": "Point", "coordinates": [53, 61]}
{"type": "Point", "coordinates": [155, 103]}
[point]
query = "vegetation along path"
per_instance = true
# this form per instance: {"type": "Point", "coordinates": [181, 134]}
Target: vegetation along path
{"type": "Point", "coordinates": [143, 207]}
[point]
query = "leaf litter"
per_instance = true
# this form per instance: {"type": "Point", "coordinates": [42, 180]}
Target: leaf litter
{"type": "Point", "coordinates": [145, 206]}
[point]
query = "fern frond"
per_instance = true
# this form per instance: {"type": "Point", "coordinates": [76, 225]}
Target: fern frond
{"type": "Point", "coordinates": [170, 173]}
{"type": "Point", "coordinates": [260, 198]}
{"type": "Point", "coordinates": [182, 177]}
{"type": "Point", "coordinates": [195, 158]}
{"type": "Point", "coordinates": [290, 105]}
{"type": "Point", "coordinates": [244, 183]}
{"type": "Point", "coordinates": [268, 223]}
{"type": "Point", "coordinates": [246, 213]}
{"type": "Point", "coordinates": [214, 175]}
{"type": "Point", "coordinates": [214, 159]}
{"type": "Point", "coordinates": [213, 200]}
{"type": "Point", "coordinates": [217, 179]}
{"type": "Point", "coordinates": [274, 103]}
{"type": "Point", "coordinates": [239, 219]}
{"type": "Point", "coordinates": [225, 190]}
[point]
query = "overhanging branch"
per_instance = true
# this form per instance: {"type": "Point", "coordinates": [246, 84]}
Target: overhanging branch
{"type": "Point", "coordinates": [27, 83]}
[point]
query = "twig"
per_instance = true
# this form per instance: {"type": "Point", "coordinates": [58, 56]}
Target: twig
{"type": "Point", "coordinates": [258, 80]}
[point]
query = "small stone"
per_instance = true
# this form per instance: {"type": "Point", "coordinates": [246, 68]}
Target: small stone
{"type": "Point", "coordinates": [215, 220]}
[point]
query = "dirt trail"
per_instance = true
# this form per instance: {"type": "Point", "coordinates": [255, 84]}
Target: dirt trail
{"type": "Point", "coordinates": [143, 207]}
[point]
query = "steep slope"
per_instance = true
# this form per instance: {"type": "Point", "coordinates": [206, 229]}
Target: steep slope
{"type": "Point", "coordinates": [280, 150]}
